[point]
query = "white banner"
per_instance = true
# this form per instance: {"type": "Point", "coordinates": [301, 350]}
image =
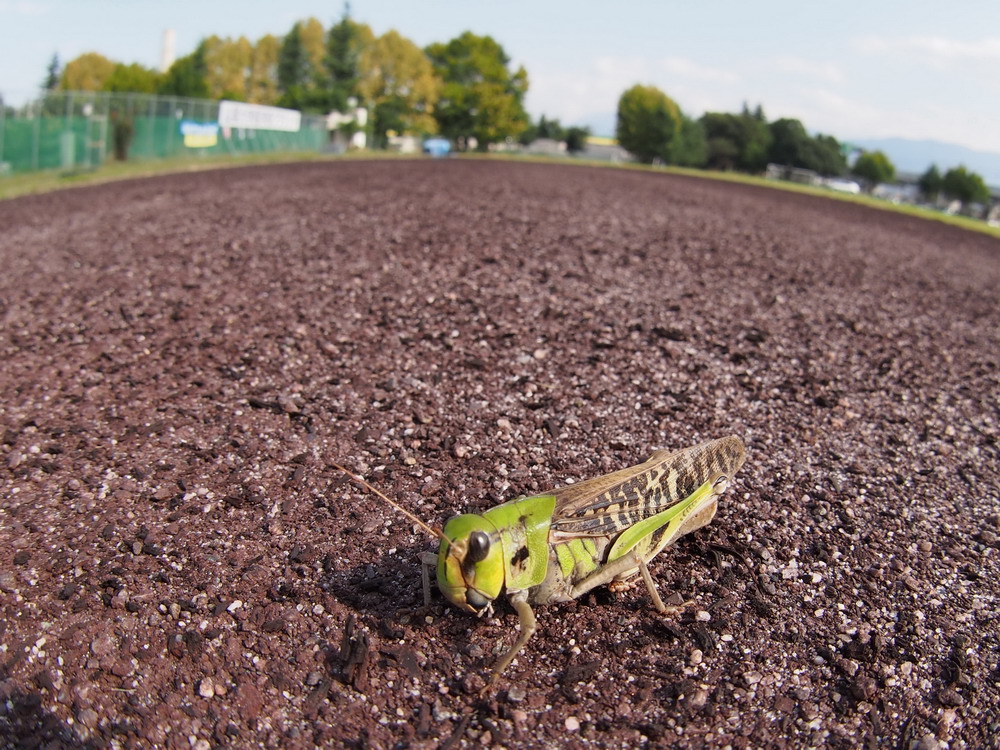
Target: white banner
{"type": "Point", "coordinates": [258, 117]}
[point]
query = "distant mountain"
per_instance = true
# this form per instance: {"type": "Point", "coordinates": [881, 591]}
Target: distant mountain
{"type": "Point", "coordinates": [917, 156]}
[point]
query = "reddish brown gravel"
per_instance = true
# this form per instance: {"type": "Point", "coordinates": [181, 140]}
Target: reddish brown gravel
{"type": "Point", "coordinates": [183, 357]}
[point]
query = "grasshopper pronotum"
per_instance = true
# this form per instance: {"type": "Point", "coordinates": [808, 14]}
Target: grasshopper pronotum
{"type": "Point", "coordinates": [560, 544]}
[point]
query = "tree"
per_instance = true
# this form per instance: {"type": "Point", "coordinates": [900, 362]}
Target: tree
{"type": "Point", "coordinates": [689, 148]}
{"type": "Point", "coordinates": [740, 141]}
{"type": "Point", "coordinates": [228, 68]}
{"type": "Point", "coordinates": [874, 167]}
{"type": "Point", "coordinates": [51, 81]}
{"type": "Point", "coordinates": [295, 71]}
{"type": "Point", "coordinates": [88, 72]}
{"type": "Point", "coordinates": [792, 146]}
{"type": "Point", "coordinates": [961, 184]}
{"type": "Point", "coordinates": [262, 87]}
{"type": "Point", "coordinates": [188, 76]}
{"type": "Point", "coordinates": [346, 43]}
{"type": "Point", "coordinates": [648, 120]}
{"type": "Point", "coordinates": [826, 156]}
{"type": "Point", "coordinates": [481, 97]}
{"type": "Point", "coordinates": [756, 140]}
{"type": "Point", "coordinates": [576, 139]}
{"type": "Point", "coordinates": [931, 183]}
{"type": "Point", "coordinates": [400, 84]}
{"type": "Point", "coordinates": [313, 37]}
{"type": "Point", "coordinates": [789, 143]}
{"type": "Point", "coordinates": [132, 78]}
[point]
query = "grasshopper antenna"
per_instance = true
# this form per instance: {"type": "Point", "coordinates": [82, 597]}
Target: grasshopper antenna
{"type": "Point", "coordinates": [357, 478]}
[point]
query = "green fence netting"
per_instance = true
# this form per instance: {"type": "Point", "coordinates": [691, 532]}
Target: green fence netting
{"type": "Point", "coordinates": [82, 130]}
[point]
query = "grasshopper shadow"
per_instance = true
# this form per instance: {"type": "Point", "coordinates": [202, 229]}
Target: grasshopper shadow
{"type": "Point", "coordinates": [385, 587]}
{"type": "Point", "coordinates": [25, 723]}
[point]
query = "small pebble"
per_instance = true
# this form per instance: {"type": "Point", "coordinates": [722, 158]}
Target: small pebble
{"type": "Point", "coordinates": [699, 698]}
{"type": "Point", "coordinates": [702, 616]}
{"type": "Point", "coordinates": [696, 657]}
{"type": "Point", "coordinates": [102, 645]}
{"type": "Point", "coordinates": [206, 688]}
{"type": "Point", "coordinates": [516, 694]}
{"type": "Point", "coordinates": [572, 724]}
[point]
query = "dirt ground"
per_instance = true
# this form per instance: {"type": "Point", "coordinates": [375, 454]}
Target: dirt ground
{"type": "Point", "coordinates": [183, 357]}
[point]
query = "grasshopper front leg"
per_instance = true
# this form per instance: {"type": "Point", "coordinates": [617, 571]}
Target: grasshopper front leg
{"type": "Point", "coordinates": [428, 561]}
{"type": "Point", "coordinates": [519, 601]}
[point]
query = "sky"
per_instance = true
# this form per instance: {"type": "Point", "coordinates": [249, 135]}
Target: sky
{"type": "Point", "coordinates": [875, 69]}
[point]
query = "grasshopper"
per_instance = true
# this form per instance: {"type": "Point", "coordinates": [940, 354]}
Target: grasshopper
{"type": "Point", "coordinates": [560, 544]}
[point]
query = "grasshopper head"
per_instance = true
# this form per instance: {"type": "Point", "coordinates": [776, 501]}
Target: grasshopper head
{"type": "Point", "coordinates": [470, 570]}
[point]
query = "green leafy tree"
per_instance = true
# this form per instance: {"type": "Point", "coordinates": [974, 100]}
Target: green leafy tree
{"type": "Point", "coordinates": [544, 128]}
{"type": "Point", "coordinates": [188, 76]}
{"type": "Point", "coordinates": [88, 72]}
{"type": "Point", "coordinates": [961, 184]}
{"type": "Point", "coordinates": [789, 143]}
{"type": "Point", "coordinates": [648, 120]}
{"type": "Point", "coordinates": [576, 139]}
{"type": "Point", "coordinates": [229, 64]}
{"type": "Point", "coordinates": [792, 146]}
{"type": "Point", "coordinates": [313, 38]}
{"type": "Point", "coordinates": [346, 44]}
{"type": "Point", "coordinates": [400, 84]}
{"type": "Point", "coordinates": [826, 156]}
{"type": "Point", "coordinates": [756, 140]}
{"type": "Point", "coordinates": [724, 135]}
{"type": "Point", "coordinates": [51, 81]}
{"type": "Point", "coordinates": [551, 129]}
{"type": "Point", "coordinates": [295, 72]}
{"type": "Point", "coordinates": [481, 97]}
{"type": "Point", "coordinates": [132, 78]}
{"type": "Point", "coordinates": [689, 148]}
{"type": "Point", "coordinates": [740, 141]}
{"type": "Point", "coordinates": [931, 183]}
{"type": "Point", "coordinates": [874, 167]}
{"type": "Point", "coordinates": [263, 84]}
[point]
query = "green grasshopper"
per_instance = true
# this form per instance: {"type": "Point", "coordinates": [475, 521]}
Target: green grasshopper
{"type": "Point", "coordinates": [560, 544]}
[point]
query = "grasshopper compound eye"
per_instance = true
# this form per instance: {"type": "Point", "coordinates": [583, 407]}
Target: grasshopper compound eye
{"type": "Point", "coordinates": [479, 547]}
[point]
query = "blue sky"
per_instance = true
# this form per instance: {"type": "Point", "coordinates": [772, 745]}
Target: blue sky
{"type": "Point", "coordinates": [881, 68]}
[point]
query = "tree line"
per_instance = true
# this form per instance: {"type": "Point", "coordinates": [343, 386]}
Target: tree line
{"type": "Point", "coordinates": [465, 89]}
{"type": "Point", "coordinates": [652, 127]}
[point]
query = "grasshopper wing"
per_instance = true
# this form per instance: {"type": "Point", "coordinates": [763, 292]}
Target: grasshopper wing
{"type": "Point", "coordinates": [614, 502]}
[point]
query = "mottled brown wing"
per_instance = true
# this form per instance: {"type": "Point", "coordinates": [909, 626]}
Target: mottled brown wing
{"type": "Point", "coordinates": [611, 503]}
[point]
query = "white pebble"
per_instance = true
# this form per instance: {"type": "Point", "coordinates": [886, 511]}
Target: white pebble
{"type": "Point", "coordinates": [572, 724]}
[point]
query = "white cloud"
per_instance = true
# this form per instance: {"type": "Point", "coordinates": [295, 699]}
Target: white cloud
{"type": "Point", "coordinates": [23, 7]}
{"type": "Point", "coordinates": [935, 50]}
{"type": "Point", "coordinates": [573, 94]}
{"type": "Point", "coordinates": [846, 97]}
{"type": "Point", "coordinates": [823, 71]}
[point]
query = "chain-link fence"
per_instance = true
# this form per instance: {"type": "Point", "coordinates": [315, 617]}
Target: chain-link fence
{"type": "Point", "coordinates": [71, 130]}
